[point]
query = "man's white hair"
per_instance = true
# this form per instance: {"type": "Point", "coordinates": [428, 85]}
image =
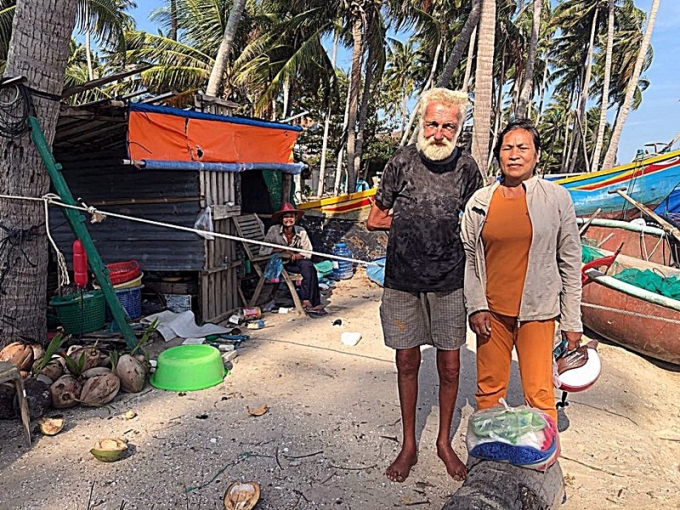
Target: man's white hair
{"type": "Point", "coordinates": [446, 97]}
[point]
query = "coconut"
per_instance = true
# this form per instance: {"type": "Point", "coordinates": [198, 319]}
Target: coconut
{"type": "Point", "coordinates": [54, 370]}
{"type": "Point", "coordinates": [45, 379]}
{"type": "Point", "coordinates": [96, 371]}
{"type": "Point", "coordinates": [109, 450]}
{"type": "Point", "coordinates": [51, 426]}
{"type": "Point", "coordinates": [65, 392]}
{"type": "Point", "coordinates": [38, 351]}
{"type": "Point", "coordinates": [132, 373]}
{"type": "Point", "coordinates": [91, 356]}
{"type": "Point", "coordinates": [100, 389]}
{"type": "Point", "coordinates": [37, 396]}
{"type": "Point", "coordinates": [18, 353]}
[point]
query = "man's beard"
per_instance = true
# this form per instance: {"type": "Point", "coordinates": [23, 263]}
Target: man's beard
{"type": "Point", "coordinates": [432, 150]}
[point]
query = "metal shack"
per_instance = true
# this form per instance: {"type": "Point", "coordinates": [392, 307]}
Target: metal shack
{"type": "Point", "coordinates": [168, 165]}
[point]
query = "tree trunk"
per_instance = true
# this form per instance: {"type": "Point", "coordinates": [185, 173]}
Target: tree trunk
{"type": "Point", "coordinates": [527, 88]}
{"type": "Point", "coordinates": [461, 44]}
{"type": "Point", "coordinates": [501, 486]}
{"type": "Point", "coordinates": [544, 82]}
{"type": "Point", "coordinates": [498, 110]}
{"type": "Point", "coordinates": [468, 63]}
{"type": "Point", "coordinates": [483, 85]}
{"type": "Point", "coordinates": [354, 90]}
{"type": "Point", "coordinates": [363, 112]}
{"type": "Point", "coordinates": [39, 50]}
{"type": "Point", "coordinates": [580, 122]}
{"type": "Point", "coordinates": [217, 73]}
{"type": "Point", "coordinates": [630, 90]}
{"type": "Point", "coordinates": [605, 88]}
{"type": "Point", "coordinates": [326, 125]}
{"type": "Point", "coordinates": [173, 20]}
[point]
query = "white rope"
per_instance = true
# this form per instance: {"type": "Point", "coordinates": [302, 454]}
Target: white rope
{"type": "Point", "coordinates": [626, 312]}
{"type": "Point", "coordinates": [62, 270]}
{"type": "Point", "coordinates": [53, 199]}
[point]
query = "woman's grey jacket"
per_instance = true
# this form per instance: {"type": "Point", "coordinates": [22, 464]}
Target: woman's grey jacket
{"type": "Point", "coordinates": [552, 287]}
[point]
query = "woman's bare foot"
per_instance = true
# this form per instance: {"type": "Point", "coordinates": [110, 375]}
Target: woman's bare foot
{"type": "Point", "coordinates": [401, 467]}
{"type": "Point", "coordinates": [454, 466]}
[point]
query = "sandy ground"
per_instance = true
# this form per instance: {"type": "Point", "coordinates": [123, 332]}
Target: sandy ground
{"type": "Point", "coordinates": [332, 428]}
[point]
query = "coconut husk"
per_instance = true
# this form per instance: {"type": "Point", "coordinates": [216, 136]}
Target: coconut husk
{"type": "Point", "coordinates": [54, 370]}
{"type": "Point", "coordinates": [50, 426]}
{"type": "Point", "coordinates": [109, 450]}
{"type": "Point", "coordinates": [65, 392]}
{"type": "Point", "coordinates": [241, 496]}
{"type": "Point", "coordinates": [132, 374]}
{"type": "Point", "coordinates": [92, 357]}
{"type": "Point", "coordinates": [19, 354]}
{"type": "Point", "coordinates": [100, 389]}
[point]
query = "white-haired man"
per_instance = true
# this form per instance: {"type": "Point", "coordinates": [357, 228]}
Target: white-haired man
{"type": "Point", "coordinates": [426, 185]}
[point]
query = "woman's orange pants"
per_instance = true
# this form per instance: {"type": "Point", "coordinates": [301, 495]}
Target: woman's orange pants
{"type": "Point", "coordinates": [534, 344]}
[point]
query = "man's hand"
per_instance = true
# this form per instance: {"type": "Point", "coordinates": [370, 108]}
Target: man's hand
{"type": "Point", "coordinates": [573, 339]}
{"type": "Point", "coordinates": [379, 217]}
{"type": "Point", "coordinates": [480, 323]}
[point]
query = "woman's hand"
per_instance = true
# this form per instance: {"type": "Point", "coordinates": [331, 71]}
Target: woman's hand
{"type": "Point", "coordinates": [573, 339]}
{"type": "Point", "coordinates": [480, 323]}
{"type": "Point", "coordinates": [292, 256]}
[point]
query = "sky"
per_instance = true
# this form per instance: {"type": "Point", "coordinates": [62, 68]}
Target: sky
{"type": "Point", "coordinates": [657, 119]}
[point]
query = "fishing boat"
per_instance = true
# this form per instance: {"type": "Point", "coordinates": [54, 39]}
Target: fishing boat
{"type": "Point", "coordinates": [627, 313]}
{"type": "Point", "coordinates": [352, 206]}
{"type": "Point", "coordinates": [635, 239]}
{"type": "Point", "coordinates": [648, 180]}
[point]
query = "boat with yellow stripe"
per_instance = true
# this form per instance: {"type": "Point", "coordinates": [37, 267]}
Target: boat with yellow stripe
{"type": "Point", "coordinates": [354, 206]}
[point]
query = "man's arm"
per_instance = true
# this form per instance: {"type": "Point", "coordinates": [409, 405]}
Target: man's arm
{"type": "Point", "coordinates": [379, 218]}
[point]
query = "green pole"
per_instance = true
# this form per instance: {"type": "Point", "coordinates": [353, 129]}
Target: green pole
{"type": "Point", "coordinates": [77, 222]}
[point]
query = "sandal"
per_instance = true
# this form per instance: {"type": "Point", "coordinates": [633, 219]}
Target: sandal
{"type": "Point", "coordinates": [316, 312]}
{"type": "Point", "coordinates": [574, 359]}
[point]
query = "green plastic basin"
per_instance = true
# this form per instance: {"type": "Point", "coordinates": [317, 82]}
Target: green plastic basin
{"type": "Point", "coordinates": [188, 368]}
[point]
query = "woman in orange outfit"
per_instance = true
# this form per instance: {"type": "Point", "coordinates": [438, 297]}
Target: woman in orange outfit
{"type": "Point", "coordinates": [523, 261]}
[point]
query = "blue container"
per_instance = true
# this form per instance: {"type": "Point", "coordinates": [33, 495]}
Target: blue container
{"type": "Point", "coordinates": [342, 270]}
{"type": "Point", "coordinates": [131, 300]}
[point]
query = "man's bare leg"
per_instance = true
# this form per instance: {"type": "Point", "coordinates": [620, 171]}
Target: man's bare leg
{"type": "Point", "coordinates": [448, 368]}
{"type": "Point", "coordinates": [408, 365]}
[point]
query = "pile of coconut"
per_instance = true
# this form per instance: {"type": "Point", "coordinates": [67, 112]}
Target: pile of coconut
{"type": "Point", "coordinates": [91, 375]}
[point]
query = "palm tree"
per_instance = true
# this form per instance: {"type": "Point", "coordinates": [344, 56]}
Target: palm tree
{"type": "Point", "coordinates": [483, 85]}
{"type": "Point", "coordinates": [527, 87]}
{"type": "Point", "coordinates": [23, 261]}
{"type": "Point", "coordinates": [217, 73]}
{"type": "Point", "coordinates": [400, 77]}
{"type": "Point", "coordinates": [610, 156]}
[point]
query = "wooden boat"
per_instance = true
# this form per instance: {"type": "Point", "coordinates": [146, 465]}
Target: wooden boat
{"type": "Point", "coordinates": [641, 320]}
{"type": "Point", "coordinates": [635, 240]}
{"type": "Point", "coordinates": [352, 206]}
{"type": "Point", "coordinates": [647, 180]}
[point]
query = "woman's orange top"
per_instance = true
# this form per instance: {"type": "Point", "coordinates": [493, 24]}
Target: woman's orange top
{"type": "Point", "coordinates": [507, 237]}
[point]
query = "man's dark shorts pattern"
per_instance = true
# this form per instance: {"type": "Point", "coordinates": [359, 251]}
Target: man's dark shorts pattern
{"type": "Point", "coordinates": [412, 319]}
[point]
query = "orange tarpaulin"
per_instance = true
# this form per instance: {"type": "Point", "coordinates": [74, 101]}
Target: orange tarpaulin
{"type": "Point", "coordinates": [170, 134]}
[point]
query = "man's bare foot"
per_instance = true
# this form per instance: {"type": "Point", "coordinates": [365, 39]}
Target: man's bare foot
{"type": "Point", "coordinates": [454, 466]}
{"type": "Point", "coordinates": [401, 467]}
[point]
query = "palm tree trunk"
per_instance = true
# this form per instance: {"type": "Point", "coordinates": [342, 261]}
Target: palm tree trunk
{"type": "Point", "coordinates": [630, 90]}
{"type": "Point", "coordinates": [354, 90]}
{"type": "Point", "coordinates": [498, 110]}
{"type": "Point", "coordinates": [370, 73]}
{"type": "Point", "coordinates": [468, 62]}
{"type": "Point", "coordinates": [527, 88]}
{"type": "Point", "coordinates": [483, 85]}
{"type": "Point", "coordinates": [326, 125]}
{"type": "Point", "coordinates": [581, 121]}
{"type": "Point", "coordinates": [340, 158]}
{"type": "Point", "coordinates": [461, 43]}
{"type": "Point", "coordinates": [88, 54]}
{"type": "Point", "coordinates": [544, 82]}
{"type": "Point", "coordinates": [23, 261]}
{"type": "Point", "coordinates": [605, 87]}
{"type": "Point", "coordinates": [173, 20]}
{"type": "Point", "coordinates": [217, 73]}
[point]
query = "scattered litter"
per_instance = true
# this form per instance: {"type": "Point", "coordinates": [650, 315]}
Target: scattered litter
{"type": "Point", "coordinates": [226, 347]}
{"type": "Point", "coordinates": [350, 339]}
{"type": "Point", "coordinates": [259, 411]}
{"type": "Point", "coordinates": [130, 415]}
{"type": "Point", "coordinates": [268, 307]}
{"type": "Point", "coordinates": [337, 322]}
{"type": "Point", "coordinates": [256, 324]}
{"type": "Point", "coordinates": [202, 416]}
{"type": "Point", "coordinates": [193, 341]}
{"type": "Point", "coordinates": [241, 496]}
{"type": "Point", "coordinates": [229, 356]}
{"type": "Point", "coordinates": [283, 309]}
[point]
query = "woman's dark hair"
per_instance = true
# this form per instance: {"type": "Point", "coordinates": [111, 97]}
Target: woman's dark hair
{"type": "Point", "coordinates": [525, 124]}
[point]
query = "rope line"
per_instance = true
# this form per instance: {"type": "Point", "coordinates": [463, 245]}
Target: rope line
{"type": "Point", "coordinates": [99, 215]}
{"type": "Point", "coordinates": [62, 269]}
{"type": "Point", "coordinates": [632, 314]}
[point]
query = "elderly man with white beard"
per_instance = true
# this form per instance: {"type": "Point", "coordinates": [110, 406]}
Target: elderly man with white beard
{"type": "Point", "coordinates": [420, 199]}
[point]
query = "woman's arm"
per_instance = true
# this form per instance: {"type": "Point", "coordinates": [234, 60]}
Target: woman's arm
{"type": "Point", "coordinates": [569, 264]}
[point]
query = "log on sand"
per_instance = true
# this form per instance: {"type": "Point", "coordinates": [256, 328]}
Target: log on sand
{"type": "Point", "coordinates": [501, 486]}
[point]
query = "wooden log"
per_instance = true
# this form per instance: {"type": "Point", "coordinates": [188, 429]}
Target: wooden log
{"type": "Point", "coordinates": [501, 486]}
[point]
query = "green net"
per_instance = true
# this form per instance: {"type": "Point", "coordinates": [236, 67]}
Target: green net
{"type": "Point", "coordinates": [651, 281]}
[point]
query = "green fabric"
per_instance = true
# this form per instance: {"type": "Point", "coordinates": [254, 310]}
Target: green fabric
{"type": "Point", "coordinates": [589, 253]}
{"type": "Point", "coordinates": [274, 181]}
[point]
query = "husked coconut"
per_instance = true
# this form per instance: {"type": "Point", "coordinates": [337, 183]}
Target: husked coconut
{"type": "Point", "coordinates": [65, 392]}
{"type": "Point", "coordinates": [18, 353]}
{"type": "Point", "coordinates": [100, 389]}
{"type": "Point", "coordinates": [132, 373]}
{"type": "Point", "coordinates": [145, 362]}
{"type": "Point", "coordinates": [91, 357]}
{"type": "Point", "coordinates": [38, 351]}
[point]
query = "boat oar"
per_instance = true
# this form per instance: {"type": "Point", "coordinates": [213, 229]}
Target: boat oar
{"type": "Point", "coordinates": [588, 222]}
{"type": "Point", "coordinates": [665, 225]}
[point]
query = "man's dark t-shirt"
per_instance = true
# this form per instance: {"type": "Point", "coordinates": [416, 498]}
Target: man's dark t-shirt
{"type": "Point", "coordinates": [424, 250]}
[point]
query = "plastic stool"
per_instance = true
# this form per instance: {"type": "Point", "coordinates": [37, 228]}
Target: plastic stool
{"type": "Point", "coordinates": [9, 372]}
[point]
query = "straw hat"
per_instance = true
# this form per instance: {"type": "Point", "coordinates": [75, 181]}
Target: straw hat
{"type": "Point", "coordinates": [287, 207]}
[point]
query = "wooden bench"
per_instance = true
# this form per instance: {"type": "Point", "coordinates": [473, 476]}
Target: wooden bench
{"type": "Point", "coordinates": [249, 226]}
{"type": "Point", "coordinates": [9, 372]}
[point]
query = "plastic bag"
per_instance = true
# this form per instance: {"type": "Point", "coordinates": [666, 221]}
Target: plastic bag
{"type": "Point", "coordinates": [274, 268]}
{"type": "Point", "coordinates": [204, 222]}
{"type": "Point", "coordinates": [518, 435]}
